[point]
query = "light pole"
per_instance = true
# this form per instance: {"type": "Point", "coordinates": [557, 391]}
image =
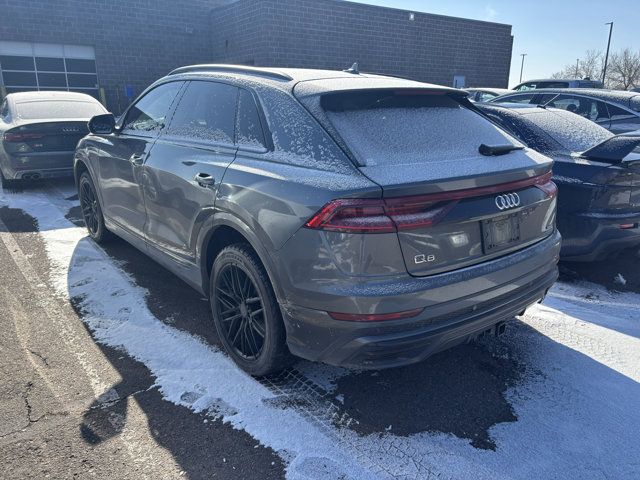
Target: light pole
{"type": "Point", "coordinates": [522, 65]}
{"type": "Point", "coordinates": [577, 63]}
{"type": "Point", "coordinates": [606, 57]}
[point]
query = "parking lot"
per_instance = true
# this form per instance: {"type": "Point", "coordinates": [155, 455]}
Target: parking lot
{"type": "Point", "coordinates": [111, 367]}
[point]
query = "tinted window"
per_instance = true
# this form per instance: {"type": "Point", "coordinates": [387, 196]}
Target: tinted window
{"type": "Point", "coordinates": [248, 126]}
{"type": "Point", "coordinates": [594, 110]}
{"type": "Point", "coordinates": [486, 96]}
{"type": "Point", "coordinates": [207, 112]}
{"type": "Point", "coordinates": [15, 62]}
{"type": "Point", "coordinates": [20, 79]}
{"type": "Point", "coordinates": [618, 113]}
{"type": "Point", "coordinates": [552, 85]}
{"type": "Point", "coordinates": [389, 128]}
{"type": "Point", "coordinates": [634, 103]}
{"type": "Point", "coordinates": [47, 64]}
{"type": "Point", "coordinates": [525, 98]}
{"type": "Point", "coordinates": [148, 114]}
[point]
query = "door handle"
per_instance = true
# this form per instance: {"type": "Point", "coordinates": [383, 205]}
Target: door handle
{"type": "Point", "coordinates": [205, 180]}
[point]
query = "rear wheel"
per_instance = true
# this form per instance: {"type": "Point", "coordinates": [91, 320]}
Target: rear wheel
{"type": "Point", "coordinates": [91, 211]}
{"type": "Point", "coordinates": [246, 312]}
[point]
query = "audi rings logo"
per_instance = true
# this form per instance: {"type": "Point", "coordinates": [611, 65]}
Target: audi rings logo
{"type": "Point", "coordinates": [70, 129]}
{"type": "Point", "coordinates": [508, 200]}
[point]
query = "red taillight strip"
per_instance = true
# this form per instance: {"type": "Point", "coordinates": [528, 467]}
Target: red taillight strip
{"type": "Point", "coordinates": [388, 215]}
{"type": "Point", "coordinates": [375, 317]}
{"type": "Point", "coordinates": [20, 137]}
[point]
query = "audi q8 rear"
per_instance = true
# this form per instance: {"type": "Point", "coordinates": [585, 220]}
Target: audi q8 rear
{"type": "Point", "coordinates": [370, 222]}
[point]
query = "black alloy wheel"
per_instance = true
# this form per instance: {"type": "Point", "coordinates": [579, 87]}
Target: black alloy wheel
{"type": "Point", "coordinates": [91, 211]}
{"type": "Point", "coordinates": [246, 312]}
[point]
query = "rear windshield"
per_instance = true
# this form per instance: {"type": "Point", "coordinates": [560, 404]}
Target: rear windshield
{"type": "Point", "coordinates": [572, 131]}
{"type": "Point", "coordinates": [396, 127]}
{"type": "Point", "coordinates": [57, 109]}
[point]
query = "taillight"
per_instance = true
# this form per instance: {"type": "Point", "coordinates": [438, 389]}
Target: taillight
{"type": "Point", "coordinates": [388, 215]}
{"type": "Point", "coordinates": [545, 184]}
{"type": "Point", "coordinates": [378, 215]}
{"type": "Point", "coordinates": [20, 136]}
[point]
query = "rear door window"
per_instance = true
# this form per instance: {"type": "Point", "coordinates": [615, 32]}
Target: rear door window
{"type": "Point", "coordinates": [206, 111]}
{"type": "Point", "coordinates": [387, 127]}
{"type": "Point", "coordinates": [524, 98]}
{"type": "Point", "coordinates": [248, 126]}
{"type": "Point", "coordinates": [594, 110]}
{"type": "Point", "coordinates": [149, 113]}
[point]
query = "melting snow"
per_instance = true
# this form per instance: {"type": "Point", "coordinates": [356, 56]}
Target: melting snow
{"type": "Point", "coordinates": [577, 419]}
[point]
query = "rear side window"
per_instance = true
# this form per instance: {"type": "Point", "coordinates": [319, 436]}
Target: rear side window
{"type": "Point", "coordinates": [150, 112]}
{"type": "Point", "coordinates": [396, 127]}
{"type": "Point", "coordinates": [618, 113]}
{"type": "Point", "coordinates": [525, 98]}
{"type": "Point", "coordinates": [206, 111]}
{"type": "Point", "coordinates": [248, 126]}
{"type": "Point", "coordinates": [594, 110]}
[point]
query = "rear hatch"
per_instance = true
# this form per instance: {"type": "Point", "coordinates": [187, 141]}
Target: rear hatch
{"type": "Point", "coordinates": [45, 136]}
{"type": "Point", "coordinates": [450, 204]}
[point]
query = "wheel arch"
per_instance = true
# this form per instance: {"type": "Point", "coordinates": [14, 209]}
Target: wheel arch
{"type": "Point", "coordinates": [226, 230]}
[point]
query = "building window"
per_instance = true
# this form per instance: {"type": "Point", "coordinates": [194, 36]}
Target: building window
{"type": "Point", "coordinates": [48, 66]}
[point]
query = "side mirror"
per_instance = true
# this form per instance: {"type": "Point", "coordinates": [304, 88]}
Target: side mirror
{"type": "Point", "coordinates": [102, 124]}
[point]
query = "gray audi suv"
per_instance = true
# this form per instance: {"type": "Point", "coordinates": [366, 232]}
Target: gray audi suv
{"type": "Point", "coordinates": [342, 217]}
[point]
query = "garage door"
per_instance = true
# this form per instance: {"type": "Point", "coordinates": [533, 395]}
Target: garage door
{"type": "Point", "coordinates": [47, 66]}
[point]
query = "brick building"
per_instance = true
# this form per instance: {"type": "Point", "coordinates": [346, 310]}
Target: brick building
{"type": "Point", "coordinates": [120, 46]}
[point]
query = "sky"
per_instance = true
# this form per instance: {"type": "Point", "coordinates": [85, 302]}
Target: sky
{"type": "Point", "coordinates": [551, 33]}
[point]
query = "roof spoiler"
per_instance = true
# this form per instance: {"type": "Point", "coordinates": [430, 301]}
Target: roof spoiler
{"type": "Point", "coordinates": [615, 149]}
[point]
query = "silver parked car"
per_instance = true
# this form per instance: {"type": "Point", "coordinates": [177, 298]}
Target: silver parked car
{"type": "Point", "coordinates": [617, 111]}
{"type": "Point", "coordinates": [39, 132]}
{"type": "Point", "coordinates": [557, 83]}
{"type": "Point", "coordinates": [347, 218]}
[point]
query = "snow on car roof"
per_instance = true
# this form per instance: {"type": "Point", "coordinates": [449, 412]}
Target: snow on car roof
{"type": "Point", "coordinates": [21, 97]}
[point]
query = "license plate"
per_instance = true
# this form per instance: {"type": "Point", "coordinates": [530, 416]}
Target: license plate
{"type": "Point", "coordinates": [500, 232]}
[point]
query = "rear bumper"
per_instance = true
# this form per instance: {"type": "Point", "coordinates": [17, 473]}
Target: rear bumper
{"type": "Point", "coordinates": [591, 237]}
{"type": "Point", "coordinates": [39, 165]}
{"type": "Point", "coordinates": [478, 298]}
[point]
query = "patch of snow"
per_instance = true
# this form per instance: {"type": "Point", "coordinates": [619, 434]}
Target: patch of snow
{"type": "Point", "coordinates": [578, 417]}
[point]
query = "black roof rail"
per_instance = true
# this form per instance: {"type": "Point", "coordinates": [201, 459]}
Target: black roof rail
{"type": "Point", "coordinates": [224, 68]}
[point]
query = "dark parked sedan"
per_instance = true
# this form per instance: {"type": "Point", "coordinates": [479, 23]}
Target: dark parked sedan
{"type": "Point", "coordinates": [347, 218]}
{"type": "Point", "coordinates": [598, 175]}
{"type": "Point", "coordinates": [615, 110]}
{"type": "Point", "coordinates": [39, 132]}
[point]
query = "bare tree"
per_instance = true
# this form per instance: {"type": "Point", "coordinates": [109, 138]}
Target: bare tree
{"type": "Point", "coordinates": [590, 65]}
{"type": "Point", "coordinates": [624, 70]}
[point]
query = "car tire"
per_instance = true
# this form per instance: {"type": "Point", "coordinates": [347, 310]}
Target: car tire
{"type": "Point", "coordinates": [91, 210]}
{"type": "Point", "coordinates": [246, 312]}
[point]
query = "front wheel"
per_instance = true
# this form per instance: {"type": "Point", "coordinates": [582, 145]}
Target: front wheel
{"type": "Point", "coordinates": [91, 210]}
{"type": "Point", "coordinates": [246, 312]}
